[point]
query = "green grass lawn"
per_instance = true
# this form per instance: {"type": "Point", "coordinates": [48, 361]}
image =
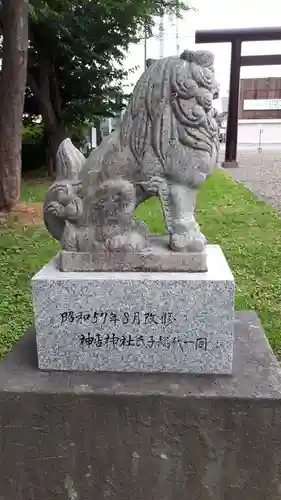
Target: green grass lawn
{"type": "Point", "coordinates": [248, 230]}
{"type": "Point", "coordinates": [34, 187]}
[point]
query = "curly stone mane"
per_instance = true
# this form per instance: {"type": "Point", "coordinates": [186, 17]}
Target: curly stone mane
{"type": "Point", "coordinates": [166, 146]}
{"type": "Point", "coordinates": [172, 102]}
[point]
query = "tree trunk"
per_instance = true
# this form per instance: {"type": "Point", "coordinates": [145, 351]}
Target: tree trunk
{"type": "Point", "coordinates": [12, 90]}
{"type": "Point", "coordinates": [49, 105]}
{"type": "Point", "coordinates": [51, 168]}
{"type": "Point", "coordinates": [55, 135]}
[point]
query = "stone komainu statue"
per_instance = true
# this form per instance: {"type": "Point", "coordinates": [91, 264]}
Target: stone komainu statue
{"type": "Point", "coordinates": [166, 146]}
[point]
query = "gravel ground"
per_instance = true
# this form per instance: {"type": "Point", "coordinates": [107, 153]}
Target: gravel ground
{"type": "Point", "coordinates": [261, 174]}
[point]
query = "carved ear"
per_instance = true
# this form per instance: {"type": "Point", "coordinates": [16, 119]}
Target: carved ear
{"type": "Point", "coordinates": [149, 62]}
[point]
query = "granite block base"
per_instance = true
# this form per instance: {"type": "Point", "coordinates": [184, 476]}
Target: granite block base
{"type": "Point", "coordinates": [157, 257]}
{"type": "Point", "coordinates": [123, 436]}
{"type": "Point", "coordinates": [136, 322]}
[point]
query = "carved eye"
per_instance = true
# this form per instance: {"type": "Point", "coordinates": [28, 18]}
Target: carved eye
{"type": "Point", "coordinates": [174, 96]}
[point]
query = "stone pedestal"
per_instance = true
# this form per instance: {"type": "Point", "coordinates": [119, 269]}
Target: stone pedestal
{"type": "Point", "coordinates": [131, 437]}
{"type": "Point", "coordinates": [156, 257]}
{"type": "Point", "coordinates": [136, 322]}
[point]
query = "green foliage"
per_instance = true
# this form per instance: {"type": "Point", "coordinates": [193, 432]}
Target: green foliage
{"type": "Point", "coordinates": [79, 134]}
{"type": "Point", "coordinates": [83, 45]}
{"type": "Point", "coordinates": [32, 132]}
{"type": "Point", "coordinates": [34, 145]}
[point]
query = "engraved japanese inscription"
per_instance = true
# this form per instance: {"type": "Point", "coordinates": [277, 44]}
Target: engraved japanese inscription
{"type": "Point", "coordinates": [113, 340]}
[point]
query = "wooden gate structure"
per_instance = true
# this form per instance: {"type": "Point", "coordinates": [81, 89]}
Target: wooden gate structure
{"type": "Point", "coordinates": [236, 37]}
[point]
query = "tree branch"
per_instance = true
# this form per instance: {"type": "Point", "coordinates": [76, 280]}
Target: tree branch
{"type": "Point", "coordinates": [33, 85]}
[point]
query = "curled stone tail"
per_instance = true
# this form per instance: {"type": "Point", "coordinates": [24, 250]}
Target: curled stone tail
{"type": "Point", "coordinates": [69, 161]}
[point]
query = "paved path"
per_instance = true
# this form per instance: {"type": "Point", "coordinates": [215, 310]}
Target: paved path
{"type": "Point", "coordinates": [261, 173]}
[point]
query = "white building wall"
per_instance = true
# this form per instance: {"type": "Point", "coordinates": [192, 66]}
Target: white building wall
{"type": "Point", "coordinates": [256, 131]}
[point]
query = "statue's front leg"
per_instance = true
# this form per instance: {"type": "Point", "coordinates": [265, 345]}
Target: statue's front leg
{"type": "Point", "coordinates": [179, 204]}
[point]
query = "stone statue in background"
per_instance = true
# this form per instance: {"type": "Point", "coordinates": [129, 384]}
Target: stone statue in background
{"type": "Point", "coordinates": [166, 146]}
